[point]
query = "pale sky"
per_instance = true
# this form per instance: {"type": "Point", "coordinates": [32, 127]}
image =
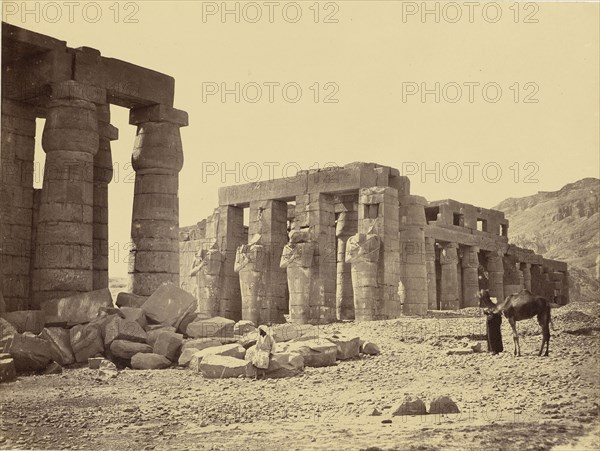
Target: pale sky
{"type": "Point", "coordinates": [532, 73]}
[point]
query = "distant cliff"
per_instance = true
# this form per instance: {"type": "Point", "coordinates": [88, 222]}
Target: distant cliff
{"type": "Point", "coordinates": [562, 225]}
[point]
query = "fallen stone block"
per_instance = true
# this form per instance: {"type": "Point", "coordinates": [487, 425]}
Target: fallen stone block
{"type": "Point", "coordinates": [459, 351]}
{"type": "Point", "coordinates": [107, 370]}
{"type": "Point", "coordinates": [229, 350]}
{"type": "Point", "coordinates": [291, 331]}
{"type": "Point", "coordinates": [219, 367]}
{"type": "Point", "coordinates": [285, 364]}
{"type": "Point", "coordinates": [127, 349]}
{"type": "Point", "coordinates": [30, 353]}
{"type": "Point", "coordinates": [410, 405]}
{"type": "Point", "coordinates": [189, 318]}
{"type": "Point", "coordinates": [168, 344]}
{"type": "Point", "coordinates": [217, 327]}
{"type": "Point", "coordinates": [168, 305]}
{"type": "Point", "coordinates": [130, 300]}
{"type": "Point", "coordinates": [244, 327]}
{"type": "Point", "coordinates": [443, 405]}
{"type": "Point", "coordinates": [78, 309]}
{"type": "Point", "coordinates": [103, 312]}
{"type": "Point", "coordinates": [26, 320]}
{"type": "Point", "coordinates": [347, 347]}
{"type": "Point", "coordinates": [366, 347]}
{"type": "Point", "coordinates": [94, 362]}
{"type": "Point", "coordinates": [53, 368]}
{"type": "Point", "coordinates": [191, 346]}
{"type": "Point", "coordinates": [7, 331]}
{"type": "Point", "coordinates": [149, 361]}
{"type": "Point", "coordinates": [155, 332]}
{"type": "Point", "coordinates": [86, 341]}
{"type": "Point", "coordinates": [8, 373]}
{"type": "Point", "coordinates": [60, 345]}
{"type": "Point", "coordinates": [135, 314]}
{"type": "Point", "coordinates": [131, 331]}
{"type": "Point", "coordinates": [247, 340]}
{"type": "Point", "coordinates": [316, 353]}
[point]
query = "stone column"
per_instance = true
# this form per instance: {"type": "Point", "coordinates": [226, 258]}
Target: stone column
{"type": "Point", "coordinates": [413, 259]}
{"type": "Point", "coordinates": [65, 229]}
{"type": "Point", "coordinates": [16, 203]}
{"type": "Point", "coordinates": [363, 253]}
{"type": "Point", "coordinates": [526, 270]}
{"type": "Point", "coordinates": [298, 260]}
{"type": "Point", "coordinates": [103, 172]}
{"type": "Point", "coordinates": [470, 277]}
{"type": "Point", "coordinates": [207, 268]}
{"type": "Point", "coordinates": [269, 220]}
{"type": "Point", "coordinates": [495, 269]}
{"type": "Point", "coordinates": [449, 282]}
{"type": "Point", "coordinates": [251, 264]}
{"type": "Point", "coordinates": [379, 214]}
{"type": "Point", "coordinates": [347, 225]}
{"type": "Point", "coordinates": [157, 159]}
{"type": "Point", "coordinates": [431, 276]}
{"type": "Point", "coordinates": [536, 279]}
{"type": "Point", "coordinates": [315, 213]}
{"type": "Point", "coordinates": [230, 235]}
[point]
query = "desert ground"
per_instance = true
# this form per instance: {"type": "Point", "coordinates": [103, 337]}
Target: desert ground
{"type": "Point", "coordinates": [506, 402]}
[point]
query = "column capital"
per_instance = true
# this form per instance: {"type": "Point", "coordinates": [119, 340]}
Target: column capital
{"type": "Point", "coordinates": [73, 90]}
{"type": "Point", "coordinates": [158, 113]}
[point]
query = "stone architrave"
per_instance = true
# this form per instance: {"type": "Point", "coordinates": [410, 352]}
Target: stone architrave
{"type": "Point", "coordinates": [362, 251]}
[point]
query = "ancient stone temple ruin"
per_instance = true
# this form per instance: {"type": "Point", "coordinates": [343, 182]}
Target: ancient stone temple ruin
{"type": "Point", "coordinates": [352, 243]}
{"type": "Point", "coordinates": [54, 241]}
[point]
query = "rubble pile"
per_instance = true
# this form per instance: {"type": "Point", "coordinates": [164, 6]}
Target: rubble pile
{"type": "Point", "coordinates": [156, 332]}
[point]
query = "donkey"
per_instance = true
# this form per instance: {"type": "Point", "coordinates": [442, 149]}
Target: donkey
{"type": "Point", "coordinates": [518, 307]}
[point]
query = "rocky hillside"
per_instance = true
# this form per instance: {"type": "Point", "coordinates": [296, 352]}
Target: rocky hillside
{"type": "Point", "coordinates": [563, 225]}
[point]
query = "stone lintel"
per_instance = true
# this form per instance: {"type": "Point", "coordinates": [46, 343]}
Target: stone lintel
{"type": "Point", "coordinates": [73, 90]}
{"type": "Point", "coordinates": [482, 240]}
{"type": "Point", "coordinates": [158, 113]}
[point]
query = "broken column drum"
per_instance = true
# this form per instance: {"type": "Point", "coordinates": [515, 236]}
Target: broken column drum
{"type": "Point", "coordinates": [250, 264]}
{"type": "Point", "coordinates": [298, 259]}
{"type": "Point", "coordinates": [207, 269]}
{"type": "Point", "coordinates": [362, 251]}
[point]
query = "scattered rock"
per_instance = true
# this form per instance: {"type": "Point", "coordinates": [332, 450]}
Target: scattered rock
{"type": "Point", "coordinates": [153, 332]}
{"type": "Point", "coordinates": [347, 348]}
{"type": "Point", "coordinates": [191, 346]}
{"type": "Point", "coordinates": [60, 345]}
{"type": "Point", "coordinates": [107, 370]}
{"type": "Point", "coordinates": [8, 372]}
{"type": "Point", "coordinates": [53, 368]}
{"type": "Point", "coordinates": [216, 327]}
{"type": "Point", "coordinates": [291, 331]}
{"type": "Point", "coordinates": [26, 320]}
{"type": "Point", "coordinates": [218, 367]}
{"type": "Point", "coordinates": [187, 319]}
{"type": "Point", "coordinates": [411, 405]}
{"type": "Point", "coordinates": [135, 314]}
{"type": "Point", "coordinates": [78, 309]}
{"type": "Point", "coordinates": [316, 353]}
{"type": "Point", "coordinates": [476, 347]}
{"type": "Point", "coordinates": [244, 327]}
{"type": "Point", "coordinates": [130, 300]}
{"type": "Point", "coordinates": [459, 351]}
{"type": "Point", "coordinates": [7, 331]}
{"type": "Point", "coordinates": [30, 353]}
{"type": "Point", "coordinates": [149, 361]}
{"type": "Point", "coordinates": [94, 362]}
{"type": "Point", "coordinates": [86, 341]}
{"type": "Point", "coordinates": [374, 412]}
{"type": "Point", "coordinates": [369, 348]}
{"type": "Point", "coordinates": [168, 305]}
{"type": "Point", "coordinates": [443, 405]}
{"type": "Point", "coordinates": [230, 350]}
{"type": "Point", "coordinates": [285, 364]}
{"type": "Point", "coordinates": [168, 344]}
{"type": "Point", "coordinates": [127, 349]}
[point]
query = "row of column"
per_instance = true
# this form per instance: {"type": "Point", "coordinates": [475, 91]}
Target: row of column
{"type": "Point", "coordinates": [72, 228]}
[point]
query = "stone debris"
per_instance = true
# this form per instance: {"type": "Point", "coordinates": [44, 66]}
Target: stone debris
{"type": "Point", "coordinates": [8, 372]}
{"type": "Point", "coordinates": [60, 344]}
{"type": "Point", "coordinates": [217, 327]}
{"type": "Point", "coordinates": [244, 327]}
{"type": "Point", "coordinates": [107, 370]}
{"type": "Point", "coordinates": [230, 350]}
{"type": "Point", "coordinates": [219, 367]}
{"type": "Point", "coordinates": [410, 405]}
{"type": "Point", "coordinates": [94, 362]}
{"type": "Point", "coordinates": [169, 305]}
{"type": "Point", "coordinates": [53, 368]}
{"type": "Point", "coordinates": [78, 309]}
{"type": "Point", "coordinates": [7, 331]}
{"type": "Point", "coordinates": [86, 341]}
{"type": "Point", "coordinates": [347, 348]}
{"type": "Point", "coordinates": [149, 361]}
{"type": "Point", "coordinates": [127, 349]}
{"type": "Point", "coordinates": [131, 331]}
{"type": "Point", "coordinates": [135, 314]}
{"type": "Point", "coordinates": [130, 300]}
{"type": "Point", "coordinates": [26, 320]}
{"type": "Point", "coordinates": [366, 347]}
{"type": "Point", "coordinates": [292, 331]}
{"type": "Point", "coordinates": [168, 344]}
{"type": "Point", "coordinates": [285, 364]}
{"type": "Point", "coordinates": [316, 353]}
{"type": "Point", "coordinates": [153, 332]}
{"type": "Point", "coordinates": [443, 405]}
{"type": "Point", "coordinates": [30, 353]}
{"type": "Point", "coordinates": [191, 346]}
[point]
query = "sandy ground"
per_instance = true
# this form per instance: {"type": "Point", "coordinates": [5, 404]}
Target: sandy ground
{"type": "Point", "coordinates": [525, 403]}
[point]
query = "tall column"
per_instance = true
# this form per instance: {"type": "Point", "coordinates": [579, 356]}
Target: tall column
{"type": "Point", "coordinates": [269, 220]}
{"type": "Point", "coordinates": [470, 277]}
{"type": "Point", "coordinates": [103, 172]}
{"type": "Point", "coordinates": [316, 213]}
{"type": "Point", "coordinates": [379, 214]}
{"type": "Point", "coordinates": [230, 235]}
{"type": "Point", "coordinates": [64, 236]}
{"type": "Point", "coordinates": [431, 276]}
{"type": "Point", "coordinates": [157, 159]}
{"type": "Point", "coordinates": [449, 282]}
{"type": "Point", "coordinates": [413, 260]}
{"type": "Point", "coordinates": [495, 269]}
{"type": "Point", "coordinates": [526, 269]}
{"type": "Point", "coordinates": [347, 225]}
{"type": "Point", "coordinates": [536, 279]}
{"type": "Point", "coordinates": [298, 259]}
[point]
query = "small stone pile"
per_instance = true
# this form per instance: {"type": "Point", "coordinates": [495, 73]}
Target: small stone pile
{"type": "Point", "coordinates": [155, 332]}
